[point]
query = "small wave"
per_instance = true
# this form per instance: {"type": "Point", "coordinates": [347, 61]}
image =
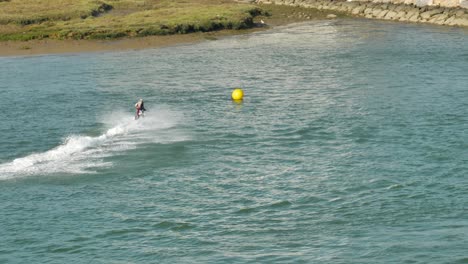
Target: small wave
{"type": "Point", "coordinates": [122, 232]}
{"type": "Point", "coordinates": [280, 204]}
{"type": "Point", "coordinates": [275, 205]}
{"type": "Point", "coordinates": [247, 210]}
{"type": "Point", "coordinates": [394, 186]}
{"type": "Point", "coordinates": [174, 226]}
{"type": "Point", "coordinates": [85, 154]}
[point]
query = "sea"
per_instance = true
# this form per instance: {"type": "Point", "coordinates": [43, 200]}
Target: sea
{"type": "Point", "coordinates": [350, 146]}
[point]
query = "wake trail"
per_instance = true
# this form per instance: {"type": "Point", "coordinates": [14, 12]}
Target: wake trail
{"type": "Point", "coordinates": [84, 154]}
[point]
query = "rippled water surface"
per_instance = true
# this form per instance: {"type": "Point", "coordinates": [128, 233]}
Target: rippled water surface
{"type": "Point", "coordinates": [351, 146]}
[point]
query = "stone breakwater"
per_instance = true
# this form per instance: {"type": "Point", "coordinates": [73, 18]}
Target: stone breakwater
{"type": "Point", "coordinates": [450, 16]}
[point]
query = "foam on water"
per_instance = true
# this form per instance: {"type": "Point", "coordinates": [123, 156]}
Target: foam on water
{"type": "Point", "coordinates": [84, 154]}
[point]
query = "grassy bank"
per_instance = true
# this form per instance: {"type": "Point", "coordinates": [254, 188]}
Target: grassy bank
{"type": "Point", "coordinates": [108, 19]}
{"type": "Point", "coordinates": [97, 27]}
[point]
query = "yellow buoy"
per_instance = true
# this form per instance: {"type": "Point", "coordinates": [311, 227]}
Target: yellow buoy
{"type": "Point", "coordinates": [237, 94]}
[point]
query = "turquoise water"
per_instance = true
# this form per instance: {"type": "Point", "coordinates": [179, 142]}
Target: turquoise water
{"type": "Point", "coordinates": [351, 146]}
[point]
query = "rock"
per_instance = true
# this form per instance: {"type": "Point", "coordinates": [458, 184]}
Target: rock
{"type": "Point", "coordinates": [350, 5]}
{"type": "Point", "coordinates": [411, 14]}
{"type": "Point", "coordinates": [460, 22]}
{"type": "Point", "coordinates": [428, 14]}
{"type": "Point", "coordinates": [376, 12]}
{"type": "Point", "coordinates": [371, 5]}
{"type": "Point", "coordinates": [358, 10]}
{"type": "Point", "coordinates": [390, 15]}
{"type": "Point", "coordinates": [368, 11]}
{"type": "Point", "coordinates": [412, 10]}
{"type": "Point", "coordinates": [382, 14]}
{"type": "Point", "coordinates": [438, 19]}
{"type": "Point", "coordinates": [449, 3]}
{"type": "Point", "coordinates": [459, 13]}
{"type": "Point", "coordinates": [342, 8]}
{"type": "Point", "coordinates": [399, 15]}
{"type": "Point", "coordinates": [391, 7]}
{"type": "Point", "coordinates": [414, 18]}
{"type": "Point", "coordinates": [465, 17]}
{"type": "Point", "coordinates": [449, 21]}
{"type": "Point", "coordinates": [400, 8]}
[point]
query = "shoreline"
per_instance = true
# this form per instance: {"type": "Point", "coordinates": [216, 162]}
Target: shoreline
{"type": "Point", "coordinates": [282, 12]}
{"type": "Point", "coordinates": [50, 46]}
{"type": "Point", "coordinates": [280, 15]}
{"type": "Point", "coordinates": [393, 10]}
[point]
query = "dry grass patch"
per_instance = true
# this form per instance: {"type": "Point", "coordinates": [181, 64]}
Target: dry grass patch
{"type": "Point", "coordinates": [25, 12]}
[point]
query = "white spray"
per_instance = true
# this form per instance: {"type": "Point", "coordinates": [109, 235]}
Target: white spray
{"type": "Point", "coordinates": [83, 154]}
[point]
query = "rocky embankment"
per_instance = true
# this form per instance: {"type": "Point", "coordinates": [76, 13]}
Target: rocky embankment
{"type": "Point", "coordinates": [450, 16]}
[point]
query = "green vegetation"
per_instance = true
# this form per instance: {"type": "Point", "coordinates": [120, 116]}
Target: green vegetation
{"type": "Point", "coordinates": [107, 19]}
{"type": "Point", "coordinates": [26, 12]}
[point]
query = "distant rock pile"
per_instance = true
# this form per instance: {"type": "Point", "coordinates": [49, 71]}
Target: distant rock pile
{"type": "Point", "coordinates": [450, 16]}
